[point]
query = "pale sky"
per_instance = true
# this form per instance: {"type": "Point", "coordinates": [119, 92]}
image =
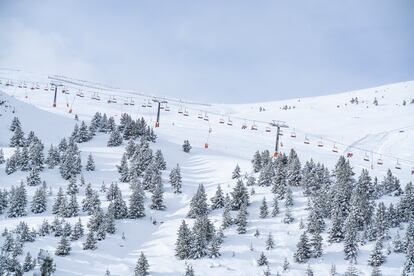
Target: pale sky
{"type": "Point", "coordinates": [216, 51]}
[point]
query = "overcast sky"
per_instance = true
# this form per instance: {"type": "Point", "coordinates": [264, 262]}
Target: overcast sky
{"type": "Point", "coordinates": [217, 51]}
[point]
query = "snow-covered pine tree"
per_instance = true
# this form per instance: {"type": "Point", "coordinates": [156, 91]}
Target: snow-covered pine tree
{"type": "Point", "coordinates": [236, 173]}
{"type": "Point", "coordinates": [63, 248]}
{"type": "Point", "coordinates": [351, 237]}
{"type": "Point", "coordinates": [293, 169]}
{"type": "Point", "coordinates": [136, 203]}
{"type": "Point", "coordinates": [189, 271]}
{"type": "Point", "coordinates": [198, 204]}
{"type": "Point", "coordinates": [90, 243]}
{"type": "Point", "coordinates": [159, 160]}
{"type": "Point", "coordinates": [77, 232]}
{"type": "Point", "coordinates": [90, 163]}
{"type": "Point", "coordinates": [91, 202]}
{"type": "Point", "coordinates": [279, 180]}
{"type": "Point", "coordinates": [275, 207]}
{"type": "Point", "coordinates": [214, 248]}
{"type": "Point", "coordinates": [265, 176]}
{"type": "Point", "coordinates": [17, 140]}
{"type": "Point", "coordinates": [377, 258]}
{"type": "Point", "coordinates": [184, 242]}
{"type": "Point", "coordinates": [142, 267]}
{"type": "Point", "coordinates": [39, 201]}
{"type": "Point", "coordinates": [157, 198]}
{"type": "Point", "coordinates": [270, 244]}
{"type": "Point", "coordinates": [241, 219]}
{"type": "Point", "coordinates": [14, 124]}
{"type": "Point", "coordinates": [72, 187]}
{"type": "Point", "coordinates": [397, 244]}
{"type": "Point", "coordinates": [175, 179]}
{"type": "Point", "coordinates": [218, 201]}
{"type": "Point", "coordinates": [362, 205]}
{"type": "Point", "coordinates": [240, 196]}
{"type": "Point", "coordinates": [119, 206]}
{"type": "Point", "coordinates": [71, 164]}
{"type": "Point", "coordinates": [264, 212]}
{"type": "Point", "coordinates": [72, 208]}
{"type": "Point", "coordinates": [186, 146]}
{"type": "Point", "coordinates": [303, 252]}
{"type": "Point", "coordinates": [115, 139]}
{"type": "Point", "coordinates": [2, 160]}
{"type": "Point", "coordinates": [227, 219]}
{"type": "Point", "coordinates": [262, 260]}
{"type": "Point", "coordinates": [29, 263]}
{"type": "Point", "coordinates": [33, 179]}
{"type": "Point", "coordinates": [18, 201]}
{"type": "Point", "coordinates": [288, 216]}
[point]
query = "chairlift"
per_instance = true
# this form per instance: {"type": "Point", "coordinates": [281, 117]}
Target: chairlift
{"type": "Point", "coordinates": [143, 104]}
{"type": "Point", "coordinates": [112, 99]}
{"type": "Point", "coordinates": [132, 102]}
{"type": "Point", "coordinates": [221, 121]}
{"type": "Point", "coordinates": [306, 141]}
{"type": "Point", "coordinates": [379, 161]}
{"type": "Point", "coordinates": [24, 85]}
{"type": "Point", "coordinates": [205, 117]}
{"type": "Point", "coordinates": [185, 113]}
{"type": "Point", "coordinates": [11, 83]}
{"type": "Point", "coordinates": [33, 87]}
{"type": "Point", "coordinates": [200, 116]}
{"type": "Point", "coordinates": [280, 132]}
{"type": "Point", "coordinates": [412, 170]}
{"type": "Point", "coordinates": [19, 85]}
{"type": "Point", "coordinates": [398, 165]}
{"type": "Point", "coordinates": [46, 88]}
{"type": "Point", "coordinates": [229, 122]}
{"type": "Point", "coordinates": [37, 86]}
{"type": "Point", "coordinates": [149, 104]}
{"type": "Point", "coordinates": [126, 102]}
{"type": "Point", "coordinates": [244, 125]}
{"type": "Point", "coordinates": [80, 94]}
{"type": "Point", "coordinates": [293, 134]}
{"type": "Point", "coordinates": [268, 129]}
{"type": "Point", "coordinates": [320, 144]}
{"type": "Point", "coordinates": [366, 157]}
{"type": "Point", "coordinates": [254, 126]}
{"type": "Point", "coordinates": [349, 154]}
{"type": "Point", "coordinates": [334, 149]}
{"type": "Point", "coordinates": [167, 108]}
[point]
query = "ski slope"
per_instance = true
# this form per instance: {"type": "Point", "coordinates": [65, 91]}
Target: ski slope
{"type": "Point", "coordinates": [385, 131]}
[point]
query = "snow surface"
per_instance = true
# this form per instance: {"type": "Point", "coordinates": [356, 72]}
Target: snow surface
{"type": "Point", "coordinates": [385, 131]}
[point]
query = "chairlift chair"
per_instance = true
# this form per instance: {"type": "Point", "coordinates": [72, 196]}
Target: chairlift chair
{"type": "Point", "coordinates": [398, 165]}
{"type": "Point", "coordinates": [24, 85]}
{"type": "Point", "coordinates": [180, 110]}
{"type": "Point", "coordinates": [244, 125]}
{"type": "Point", "coordinates": [293, 134]}
{"type": "Point", "coordinates": [366, 157]}
{"type": "Point", "coordinates": [254, 126]}
{"type": "Point", "coordinates": [80, 94]}
{"type": "Point", "coordinates": [320, 144]}
{"type": "Point", "coordinates": [131, 102]}
{"type": "Point", "coordinates": [205, 117]}
{"type": "Point", "coordinates": [167, 108]}
{"type": "Point", "coordinates": [19, 85]}
{"type": "Point", "coordinates": [126, 102]}
{"type": "Point", "coordinates": [37, 86]}
{"type": "Point", "coordinates": [46, 88]}
{"type": "Point", "coordinates": [200, 116]}
{"type": "Point", "coordinates": [306, 141]}
{"type": "Point", "coordinates": [380, 162]}
{"type": "Point", "coordinates": [268, 129]}
{"type": "Point", "coordinates": [97, 97]}
{"type": "Point", "coordinates": [11, 83]}
{"type": "Point", "coordinates": [334, 149]}
{"type": "Point", "coordinates": [185, 113]}
{"type": "Point", "coordinates": [221, 121]}
{"type": "Point", "coordinates": [229, 122]}
{"type": "Point", "coordinates": [143, 104]}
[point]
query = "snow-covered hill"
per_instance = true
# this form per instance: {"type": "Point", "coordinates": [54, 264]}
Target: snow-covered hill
{"type": "Point", "coordinates": [383, 131]}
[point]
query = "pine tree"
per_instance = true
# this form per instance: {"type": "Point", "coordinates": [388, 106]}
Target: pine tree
{"type": "Point", "coordinates": [141, 269]}
{"type": "Point", "coordinates": [351, 242]}
{"type": "Point", "coordinates": [14, 124]}
{"type": "Point", "coordinates": [115, 139]}
{"type": "Point", "coordinates": [17, 140]}
{"type": "Point", "coordinates": [184, 242]}
{"type": "Point", "coordinates": [77, 232]}
{"type": "Point", "coordinates": [186, 146]}
{"type": "Point", "coordinates": [83, 134]}
{"type": "Point", "coordinates": [110, 226]}
{"type": "Point", "coordinates": [71, 164]}
{"type": "Point", "coordinates": [189, 271]}
{"type": "Point", "coordinates": [2, 160]}
{"type": "Point", "coordinates": [241, 220]}
{"type": "Point", "coordinates": [63, 248]}
{"type": "Point", "coordinates": [265, 176]}
{"type": "Point", "coordinates": [44, 228]}
{"type": "Point", "coordinates": [90, 164]}
{"type": "Point", "coordinates": [39, 201]}
{"type": "Point", "coordinates": [214, 248]}
{"type": "Point", "coordinates": [275, 207]}
{"type": "Point", "coordinates": [175, 179]}
{"type": "Point", "coordinates": [240, 196]}
{"type": "Point", "coordinates": [377, 258]}
{"type": "Point", "coordinates": [316, 244]}
{"type": "Point", "coordinates": [91, 202]}
{"type": "Point", "coordinates": [397, 244]}
{"type": "Point", "coordinates": [72, 187]}
{"type": "Point", "coordinates": [33, 179]}
{"type": "Point", "coordinates": [236, 173]}
{"type": "Point", "coordinates": [198, 204]}
{"type": "Point", "coordinates": [18, 201]}
{"type": "Point", "coordinates": [72, 208]}
{"type": "Point", "coordinates": [24, 159]}
{"type": "Point", "coordinates": [288, 216]}
{"type": "Point", "coordinates": [262, 260]}
{"type": "Point", "coordinates": [47, 266]}
{"type": "Point", "coordinates": [288, 197]}
{"type": "Point", "coordinates": [130, 149]}
{"type": "Point", "coordinates": [119, 206]}
{"type": "Point", "coordinates": [136, 203]}
{"type": "Point", "coordinates": [28, 263]}
{"type": "Point", "coordinates": [11, 164]}
{"type": "Point", "coordinates": [90, 243]}
{"type": "Point", "coordinates": [376, 271]}
{"type": "Point", "coordinates": [303, 251]}
{"type": "Point", "coordinates": [257, 162]}
{"type": "Point", "coordinates": [157, 198]}
{"type": "Point", "coordinates": [227, 219]}
{"type": "Point", "coordinates": [293, 170]}
{"type": "Point", "coordinates": [263, 209]}
{"type": "Point", "coordinates": [218, 201]}
{"type": "Point", "coordinates": [123, 169]}
{"type": "Point", "coordinates": [270, 244]}
{"type": "Point", "coordinates": [159, 160]}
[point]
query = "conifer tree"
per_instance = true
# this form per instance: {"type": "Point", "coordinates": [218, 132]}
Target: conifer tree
{"type": "Point", "coordinates": [136, 203]}
{"type": "Point", "coordinates": [236, 173]}
{"type": "Point", "coordinates": [303, 251]}
{"type": "Point", "coordinates": [316, 244]}
{"type": "Point", "coordinates": [275, 207]}
{"type": "Point", "coordinates": [351, 242]}
{"type": "Point", "coordinates": [63, 248]}
{"type": "Point", "coordinates": [398, 246]}
{"type": "Point", "coordinates": [175, 179]}
{"type": "Point", "coordinates": [288, 216]}
{"type": "Point", "coordinates": [77, 232]}
{"type": "Point", "coordinates": [90, 243]}
{"type": "Point", "coordinates": [227, 219]}
{"type": "Point", "coordinates": [263, 209]}
{"type": "Point", "coordinates": [157, 198]}
{"type": "Point", "coordinates": [262, 260]}
{"type": "Point", "coordinates": [17, 140]}
{"type": "Point", "coordinates": [18, 201]}
{"type": "Point", "coordinates": [39, 201]}
{"type": "Point", "coordinates": [198, 204]}
{"type": "Point", "coordinates": [29, 263]}
{"type": "Point", "coordinates": [115, 139]}
{"type": "Point", "coordinates": [186, 146]}
{"type": "Point", "coordinates": [270, 244]}
{"type": "Point", "coordinates": [11, 164]}
{"type": "Point", "coordinates": [214, 248]}
{"type": "Point", "coordinates": [240, 196]}
{"type": "Point", "coordinates": [241, 219]}
{"type": "Point", "coordinates": [293, 170]}
{"type": "Point", "coordinates": [189, 271]}
{"type": "Point", "coordinates": [218, 201]}
{"type": "Point", "coordinates": [119, 206]}
{"type": "Point", "coordinates": [377, 258]}
{"type": "Point", "coordinates": [141, 269]}
{"type": "Point", "coordinates": [257, 162]}
{"type": "Point", "coordinates": [159, 160]}
{"type": "Point", "coordinates": [14, 124]}
{"type": "Point", "coordinates": [184, 242]}
{"type": "Point", "coordinates": [2, 160]}
{"type": "Point", "coordinates": [123, 169]}
{"type": "Point", "coordinates": [90, 164]}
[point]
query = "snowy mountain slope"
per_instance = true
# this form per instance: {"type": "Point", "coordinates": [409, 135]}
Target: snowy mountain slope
{"type": "Point", "coordinates": [356, 128]}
